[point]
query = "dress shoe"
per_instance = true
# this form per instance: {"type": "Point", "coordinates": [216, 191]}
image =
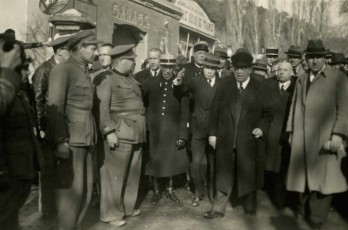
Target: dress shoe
{"type": "Point", "coordinates": [213, 214]}
{"type": "Point", "coordinates": [156, 196]}
{"type": "Point", "coordinates": [172, 196]}
{"type": "Point", "coordinates": [136, 212]}
{"type": "Point", "coordinates": [117, 223]}
{"type": "Point", "coordinates": [196, 200]}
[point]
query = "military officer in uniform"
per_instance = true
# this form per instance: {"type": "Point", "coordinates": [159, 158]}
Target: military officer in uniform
{"type": "Point", "coordinates": [167, 116]}
{"type": "Point", "coordinates": [71, 129]}
{"type": "Point", "coordinates": [122, 123]}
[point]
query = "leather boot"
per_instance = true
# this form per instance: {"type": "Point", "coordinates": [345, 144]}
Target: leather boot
{"type": "Point", "coordinates": [171, 192]}
{"type": "Point", "coordinates": [156, 196]}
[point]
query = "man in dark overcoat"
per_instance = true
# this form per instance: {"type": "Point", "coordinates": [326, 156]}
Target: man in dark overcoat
{"type": "Point", "coordinates": [239, 117]}
{"type": "Point", "coordinates": [167, 117]}
{"type": "Point", "coordinates": [280, 90]}
{"type": "Point", "coordinates": [154, 69]}
{"type": "Point", "coordinates": [71, 129]}
{"type": "Point", "coordinates": [202, 88]}
{"type": "Point", "coordinates": [122, 123]}
{"type": "Point", "coordinates": [318, 126]}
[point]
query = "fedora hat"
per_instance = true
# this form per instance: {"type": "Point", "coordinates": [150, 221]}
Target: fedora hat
{"type": "Point", "coordinates": [242, 58]}
{"type": "Point", "coordinates": [125, 51]}
{"type": "Point", "coordinates": [84, 36]}
{"type": "Point", "coordinates": [294, 51]}
{"type": "Point", "coordinates": [212, 61]}
{"type": "Point", "coordinates": [316, 46]}
{"type": "Point", "coordinates": [260, 64]}
{"type": "Point", "coordinates": [338, 58]}
{"type": "Point", "coordinates": [272, 51]}
{"type": "Point", "coordinates": [221, 51]}
{"type": "Point", "coordinates": [201, 46]}
{"type": "Point", "coordinates": [60, 40]}
{"type": "Point", "coordinates": [168, 60]}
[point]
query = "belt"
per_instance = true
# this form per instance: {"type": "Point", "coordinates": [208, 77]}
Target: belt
{"type": "Point", "coordinates": [129, 112]}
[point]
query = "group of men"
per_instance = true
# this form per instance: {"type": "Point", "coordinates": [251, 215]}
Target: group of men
{"type": "Point", "coordinates": [224, 127]}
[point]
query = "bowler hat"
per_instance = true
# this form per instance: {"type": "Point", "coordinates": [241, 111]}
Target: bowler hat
{"type": "Point", "coordinates": [85, 36]}
{"type": "Point", "coordinates": [316, 46]}
{"type": "Point", "coordinates": [201, 45]}
{"type": "Point", "coordinates": [242, 59]}
{"type": "Point", "coordinates": [338, 58]}
{"type": "Point", "coordinates": [168, 59]}
{"type": "Point", "coordinates": [221, 51]}
{"type": "Point", "coordinates": [212, 60]}
{"type": "Point", "coordinates": [60, 40]}
{"type": "Point", "coordinates": [260, 64]}
{"type": "Point", "coordinates": [125, 51]}
{"type": "Point", "coordinates": [272, 51]}
{"type": "Point", "coordinates": [294, 51]}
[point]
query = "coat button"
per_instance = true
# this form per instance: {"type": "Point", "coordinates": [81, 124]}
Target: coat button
{"type": "Point", "coordinates": [165, 89]}
{"type": "Point", "coordinates": [164, 101]}
{"type": "Point", "coordinates": [163, 107]}
{"type": "Point", "coordinates": [162, 114]}
{"type": "Point", "coordinates": [166, 83]}
{"type": "Point", "coordinates": [164, 95]}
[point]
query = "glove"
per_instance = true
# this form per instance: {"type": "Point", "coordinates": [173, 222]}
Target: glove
{"type": "Point", "coordinates": [63, 151]}
{"type": "Point", "coordinates": [180, 143]}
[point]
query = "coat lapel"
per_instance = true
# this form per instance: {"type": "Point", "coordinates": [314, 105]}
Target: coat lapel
{"type": "Point", "coordinates": [249, 97]}
{"type": "Point", "coordinates": [232, 96]}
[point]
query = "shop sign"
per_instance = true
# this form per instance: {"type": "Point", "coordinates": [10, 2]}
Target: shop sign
{"type": "Point", "coordinates": [130, 15]}
{"type": "Point", "coordinates": [195, 17]}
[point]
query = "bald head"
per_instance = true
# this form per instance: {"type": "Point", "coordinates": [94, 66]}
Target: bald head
{"type": "Point", "coordinates": [285, 71]}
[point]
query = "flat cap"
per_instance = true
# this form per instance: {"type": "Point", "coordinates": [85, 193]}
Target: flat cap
{"type": "Point", "coordinates": [85, 36]}
{"type": "Point", "coordinates": [123, 50]}
{"type": "Point", "coordinates": [168, 59]}
{"type": "Point", "coordinates": [272, 51]}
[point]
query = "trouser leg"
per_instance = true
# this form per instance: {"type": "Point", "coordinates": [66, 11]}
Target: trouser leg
{"type": "Point", "coordinates": [221, 200]}
{"type": "Point", "coordinates": [319, 206]}
{"type": "Point", "coordinates": [198, 167]}
{"type": "Point", "coordinates": [69, 201]}
{"type": "Point", "coordinates": [249, 202]}
{"type": "Point", "coordinates": [131, 180]}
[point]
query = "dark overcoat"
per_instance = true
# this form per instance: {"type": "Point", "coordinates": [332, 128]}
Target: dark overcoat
{"type": "Point", "coordinates": [277, 136]}
{"type": "Point", "coordinates": [167, 117]}
{"type": "Point", "coordinates": [255, 113]}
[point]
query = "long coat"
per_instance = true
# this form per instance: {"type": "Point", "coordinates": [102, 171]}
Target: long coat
{"type": "Point", "coordinates": [314, 116]}
{"type": "Point", "coordinates": [277, 137]}
{"type": "Point", "coordinates": [254, 114]}
{"type": "Point", "coordinates": [167, 116]}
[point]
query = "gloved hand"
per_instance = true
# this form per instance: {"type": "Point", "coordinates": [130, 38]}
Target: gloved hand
{"type": "Point", "coordinates": [180, 143]}
{"type": "Point", "coordinates": [63, 151]}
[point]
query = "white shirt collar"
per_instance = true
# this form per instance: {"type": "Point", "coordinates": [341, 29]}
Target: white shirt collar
{"type": "Point", "coordinates": [212, 83]}
{"type": "Point", "coordinates": [244, 83]}
{"type": "Point", "coordinates": [153, 72]}
{"type": "Point", "coordinates": [285, 84]}
{"type": "Point", "coordinates": [199, 66]}
{"type": "Point", "coordinates": [312, 76]}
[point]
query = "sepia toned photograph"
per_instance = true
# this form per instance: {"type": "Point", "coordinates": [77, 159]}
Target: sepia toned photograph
{"type": "Point", "coordinates": [173, 114]}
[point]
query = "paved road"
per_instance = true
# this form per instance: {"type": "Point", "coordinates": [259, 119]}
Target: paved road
{"type": "Point", "coordinates": [170, 216]}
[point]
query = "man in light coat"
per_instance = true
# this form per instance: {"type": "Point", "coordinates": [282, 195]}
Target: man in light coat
{"type": "Point", "coordinates": [318, 124]}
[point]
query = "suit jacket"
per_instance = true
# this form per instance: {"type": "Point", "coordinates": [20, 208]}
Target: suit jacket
{"type": "Point", "coordinates": [315, 115]}
{"type": "Point", "coordinates": [202, 95]}
{"type": "Point", "coordinates": [69, 105]}
{"type": "Point", "coordinates": [277, 136]}
{"type": "Point", "coordinates": [143, 75]}
{"type": "Point", "coordinates": [40, 86]}
{"type": "Point", "coordinates": [255, 113]}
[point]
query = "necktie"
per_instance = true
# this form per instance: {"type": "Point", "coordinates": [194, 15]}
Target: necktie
{"type": "Point", "coordinates": [209, 81]}
{"type": "Point", "coordinates": [295, 71]}
{"type": "Point", "coordinates": [241, 89]}
{"type": "Point", "coordinates": [155, 73]}
{"type": "Point", "coordinates": [282, 89]}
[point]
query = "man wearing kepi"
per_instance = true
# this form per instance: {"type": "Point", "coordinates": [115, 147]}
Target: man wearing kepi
{"type": "Point", "coordinates": [71, 128]}
{"type": "Point", "coordinates": [318, 125]}
{"type": "Point", "coordinates": [122, 123]}
{"type": "Point", "coordinates": [238, 118]}
{"type": "Point", "coordinates": [167, 117]}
